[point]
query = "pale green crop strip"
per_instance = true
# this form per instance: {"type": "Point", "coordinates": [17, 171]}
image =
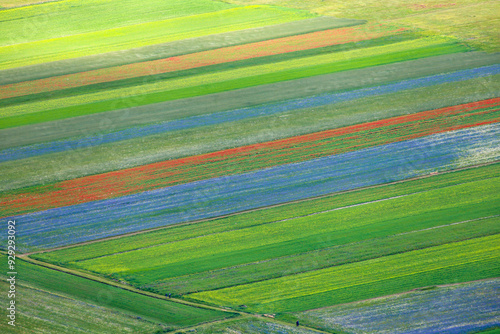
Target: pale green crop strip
{"type": "Point", "coordinates": [192, 81]}
{"type": "Point", "coordinates": [350, 275]}
{"type": "Point", "coordinates": [145, 34]}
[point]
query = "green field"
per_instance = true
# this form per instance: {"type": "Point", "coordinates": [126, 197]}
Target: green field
{"type": "Point", "coordinates": [336, 255]}
{"type": "Point", "coordinates": [170, 315]}
{"type": "Point", "coordinates": [57, 19]}
{"type": "Point", "coordinates": [451, 263]}
{"type": "Point", "coordinates": [221, 81]}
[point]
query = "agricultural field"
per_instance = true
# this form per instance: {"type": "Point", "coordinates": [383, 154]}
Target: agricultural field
{"type": "Point", "coordinates": [61, 289]}
{"type": "Point", "coordinates": [253, 326]}
{"type": "Point", "coordinates": [244, 166]}
{"type": "Point", "coordinates": [460, 261]}
{"type": "Point", "coordinates": [19, 3]}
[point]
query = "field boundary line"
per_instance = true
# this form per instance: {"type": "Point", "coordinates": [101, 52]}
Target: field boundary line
{"type": "Point", "coordinates": [260, 208]}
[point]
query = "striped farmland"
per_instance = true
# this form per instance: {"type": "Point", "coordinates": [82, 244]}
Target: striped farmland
{"type": "Point", "coordinates": [247, 158]}
{"type": "Point", "coordinates": [228, 194]}
{"type": "Point", "coordinates": [253, 157]}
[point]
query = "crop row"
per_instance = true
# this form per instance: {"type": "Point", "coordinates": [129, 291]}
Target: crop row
{"type": "Point", "coordinates": [456, 262]}
{"type": "Point", "coordinates": [234, 193]}
{"type": "Point", "coordinates": [143, 34]}
{"type": "Point", "coordinates": [313, 40]}
{"type": "Point", "coordinates": [269, 215]}
{"type": "Point", "coordinates": [219, 67]}
{"type": "Point", "coordinates": [317, 259]}
{"type": "Point", "coordinates": [83, 161]}
{"type": "Point", "coordinates": [329, 83]}
{"type": "Point", "coordinates": [53, 20]}
{"type": "Point", "coordinates": [167, 90]}
{"type": "Point", "coordinates": [249, 158]}
{"type": "Point", "coordinates": [71, 96]}
{"type": "Point", "coordinates": [67, 316]}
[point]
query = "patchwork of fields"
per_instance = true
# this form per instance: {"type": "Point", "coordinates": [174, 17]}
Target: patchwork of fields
{"type": "Point", "coordinates": [191, 166]}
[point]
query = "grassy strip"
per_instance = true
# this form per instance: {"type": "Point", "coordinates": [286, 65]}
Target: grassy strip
{"type": "Point", "coordinates": [456, 262]}
{"type": "Point", "coordinates": [144, 34]}
{"type": "Point", "coordinates": [278, 50]}
{"type": "Point", "coordinates": [263, 216]}
{"type": "Point", "coordinates": [360, 251]}
{"type": "Point", "coordinates": [417, 211]}
{"type": "Point", "coordinates": [176, 48]}
{"type": "Point", "coordinates": [172, 314]}
{"type": "Point", "coordinates": [39, 310]}
{"type": "Point", "coordinates": [131, 153]}
{"type": "Point", "coordinates": [340, 81]}
{"type": "Point", "coordinates": [51, 20]}
{"type": "Point", "coordinates": [250, 158]}
{"type": "Point", "coordinates": [246, 77]}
